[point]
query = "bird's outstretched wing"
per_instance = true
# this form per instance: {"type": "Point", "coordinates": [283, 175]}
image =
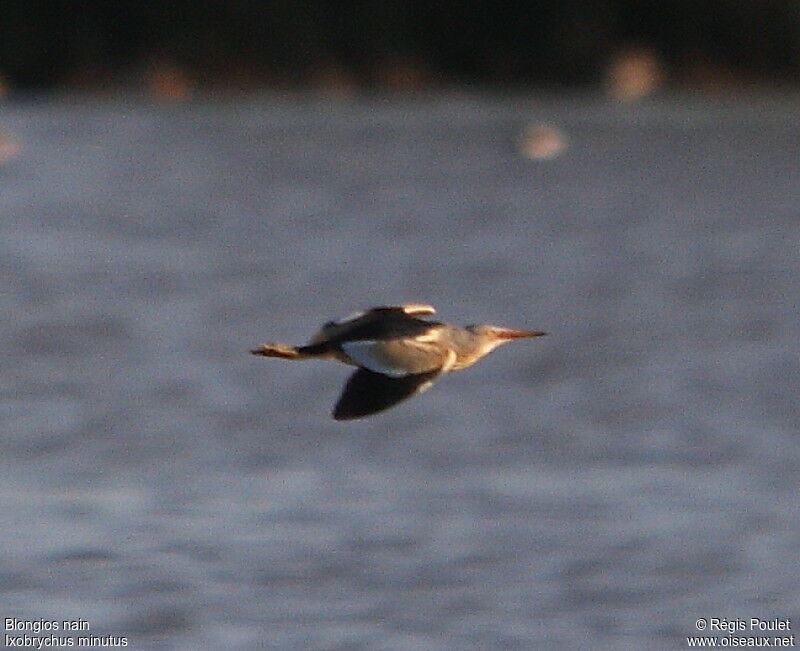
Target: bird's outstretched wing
{"type": "Point", "coordinates": [367, 392]}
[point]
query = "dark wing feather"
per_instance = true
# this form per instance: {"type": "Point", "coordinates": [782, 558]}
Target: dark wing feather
{"type": "Point", "coordinates": [377, 323]}
{"type": "Point", "coordinates": [367, 392]}
{"type": "Point", "coordinates": [380, 324]}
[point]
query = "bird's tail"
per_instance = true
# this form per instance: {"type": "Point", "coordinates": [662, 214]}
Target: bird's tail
{"type": "Point", "coordinates": [276, 349]}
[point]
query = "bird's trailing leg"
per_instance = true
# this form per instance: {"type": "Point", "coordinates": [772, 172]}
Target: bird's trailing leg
{"type": "Point", "coordinates": [313, 351]}
{"type": "Point", "coordinates": [276, 349]}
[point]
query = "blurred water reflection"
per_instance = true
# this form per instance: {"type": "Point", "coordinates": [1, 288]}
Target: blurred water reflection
{"type": "Point", "coordinates": [634, 471]}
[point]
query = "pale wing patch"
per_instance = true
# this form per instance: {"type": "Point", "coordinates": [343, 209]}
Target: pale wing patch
{"type": "Point", "coordinates": [418, 308]}
{"type": "Point", "coordinates": [395, 357]}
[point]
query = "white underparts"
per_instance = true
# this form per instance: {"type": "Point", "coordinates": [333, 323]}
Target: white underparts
{"type": "Point", "coordinates": [395, 357]}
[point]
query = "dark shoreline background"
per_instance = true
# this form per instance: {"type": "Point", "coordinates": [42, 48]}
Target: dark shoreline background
{"type": "Point", "coordinates": [395, 43]}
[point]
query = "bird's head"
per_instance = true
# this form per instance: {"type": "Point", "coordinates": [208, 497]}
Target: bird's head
{"type": "Point", "coordinates": [491, 336]}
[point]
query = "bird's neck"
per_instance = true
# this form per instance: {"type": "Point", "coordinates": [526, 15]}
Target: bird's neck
{"type": "Point", "coordinates": [471, 349]}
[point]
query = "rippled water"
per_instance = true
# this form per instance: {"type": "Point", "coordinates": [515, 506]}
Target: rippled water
{"type": "Point", "coordinates": [603, 487]}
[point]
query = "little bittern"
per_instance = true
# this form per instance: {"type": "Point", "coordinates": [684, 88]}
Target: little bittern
{"type": "Point", "coordinates": [397, 353]}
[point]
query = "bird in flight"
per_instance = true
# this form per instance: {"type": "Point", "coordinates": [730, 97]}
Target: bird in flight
{"type": "Point", "coordinates": [397, 354]}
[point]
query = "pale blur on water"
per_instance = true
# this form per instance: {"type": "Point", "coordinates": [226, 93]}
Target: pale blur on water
{"type": "Point", "coordinates": [601, 488]}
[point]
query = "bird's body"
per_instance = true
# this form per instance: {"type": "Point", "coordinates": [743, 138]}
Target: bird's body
{"type": "Point", "coordinates": [397, 353]}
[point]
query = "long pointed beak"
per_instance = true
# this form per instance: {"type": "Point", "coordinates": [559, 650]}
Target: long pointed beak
{"type": "Point", "coordinates": [510, 333]}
